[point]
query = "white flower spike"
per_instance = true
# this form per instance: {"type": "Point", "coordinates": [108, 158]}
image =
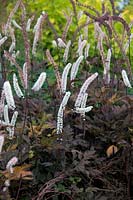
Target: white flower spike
{"type": "Point", "coordinates": [81, 47]}
{"type": "Point", "coordinates": [60, 112]}
{"type": "Point", "coordinates": [11, 163]}
{"type": "Point", "coordinates": [9, 95]}
{"type": "Point", "coordinates": [83, 110]}
{"type": "Point", "coordinates": [125, 79]}
{"type": "Point", "coordinates": [16, 24]}
{"type": "Point", "coordinates": [6, 115]}
{"type": "Point", "coordinates": [65, 56]}
{"type": "Point", "coordinates": [2, 40]}
{"type": "Point", "coordinates": [61, 44]}
{"type": "Point", "coordinates": [1, 142]}
{"type": "Point", "coordinates": [17, 87]}
{"type": "Point", "coordinates": [86, 53]}
{"type": "Point", "coordinates": [64, 77]}
{"type": "Point", "coordinates": [106, 73]}
{"type": "Point", "coordinates": [25, 75]}
{"type": "Point", "coordinates": [38, 84]}
{"type": "Point", "coordinates": [75, 67]}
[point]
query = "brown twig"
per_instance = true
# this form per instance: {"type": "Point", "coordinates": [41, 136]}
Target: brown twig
{"type": "Point", "coordinates": [88, 7]}
{"type": "Point", "coordinates": [68, 23]}
{"type": "Point", "coordinates": [11, 16]}
{"type": "Point", "coordinates": [79, 28]}
{"type": "Point", "coordinates": [11, 59]}
{"type": "Point", "coordinates": [57, 73]}
{"type": "Point", "coordinates": [113, 6]}
{"type": "Point", "coordinates": [20, 183]}
{"type": "Point", "coordinates": [47, 187]}
{"type": "Point", "coordinates": [52, 28]}
{"type": "Point", "coordinates": [106, 17]}
{"type": "Point", "coordinates": [74, 8]}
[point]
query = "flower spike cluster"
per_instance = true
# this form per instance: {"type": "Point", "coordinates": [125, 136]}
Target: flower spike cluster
{"type": "Point", "coordinates": [80, 103]}
{"type": "Point", "coordinates": [36, 87]}
{"type": "Point", "coordinates": [83, 89]}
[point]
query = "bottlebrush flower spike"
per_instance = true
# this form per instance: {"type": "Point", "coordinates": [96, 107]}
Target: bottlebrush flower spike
{"type": "Point", "coordinates": [14, 118]}
{"type": "Point", "coordinates": [127, 43]}
{"type": "Point", "coordinates": [60, 120]}
{"type": "Point", "coordinates": [83, 110]}
{"type": "Point", "coordinates": [61, 44]}
{"type": "Point", "coordinates": [75, 68]}
{"type": "Point", "coordinates": [6, 115]}
{"type": "Point", "coordinates": [84, 100]}
{"type": "Point", "coordinates": [106, 73]}
{"type": "Point", "coordinates": [83, 89]}
{"type": "Point", "coordinates": [65, 99]}
{"type": "Point", "coordinates": [2, 123]}
{"type": "Point", "coordinates": [16, 24]}
{"type": "Point", "coordinates": [2, 100]}
{"type": "Point", "coordinates": [12, 47]}
{"type": "Point", "coordinates": [25, 75]}
{"type": "Point", "coordinates": [60, 112]}
{"type": "Point", "coordinates": [80, 40]}
{"type": "Point", "coordinates": [1, 142]}
{"type": "Point", "coordinates": [81, 47]}
{"type": "Point", "coordinates": [80, 14]}
{"type": "Point", "coordinates": [125, 79]}
{"type": "Point", "coordinates": [86, 53]}
{"type": "Point", "coordinates": [38, 84]}
{"type": "Point", "coordinates": [3, 40]}
{"type": "Point", "coordinates": [54, 43]}
{"type": "Point", "coordinates": [39, 21]}
{"type": "Point", "coordinates": [65, 56]}
{"type": "Point", "coordinates": [98, 31]}
{"type": "Point", "coordinates": [13, 44]}
{"type": "Point", "coordinates": [8, 95]}
{"type": "Point", "coordinates": [83, 103]}
{"type": "Point", "coordinates": [6, 185]}
{"type": "Point", "coordinates": [86, 29]}
{"type": "Point", "coordinates": [64, 77]}
{"type": "Point", "coordinates": [29, 23]}
{"type": "Point", "coordinates": [17, 87]}
{"type": "Point", "coordinates": [11, 163]}
{"type": "Point", "coordinates": [37, 31]}
{"type": "Point", "coordinates": [12, 124]}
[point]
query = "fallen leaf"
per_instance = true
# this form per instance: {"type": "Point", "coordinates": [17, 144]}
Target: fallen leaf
{"type": "Point", "coordinates": [113, 99]}
{"type": "Point", "coordinates": [111, 150]}
{"type": "Point", "coordinates": [19, 172]}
